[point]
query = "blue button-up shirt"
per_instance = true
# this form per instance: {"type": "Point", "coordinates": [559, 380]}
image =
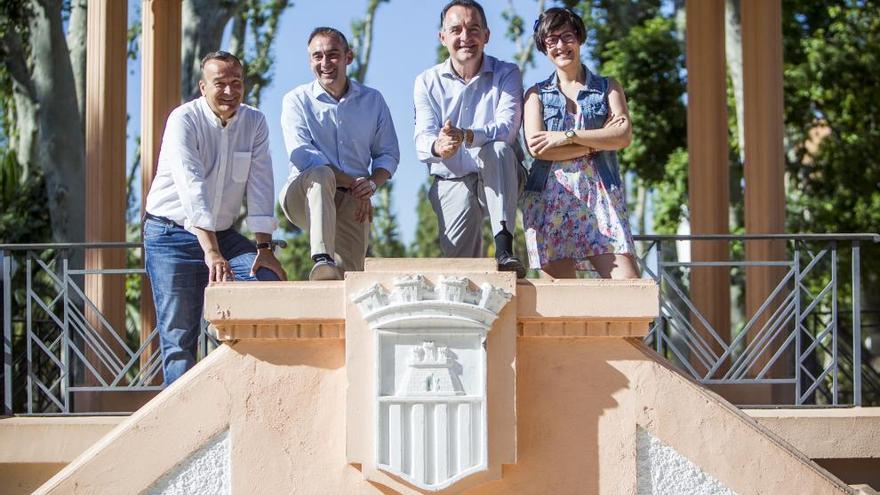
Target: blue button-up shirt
{"type": "Point", "coordinates": [354, 134]}
{"type": "Point", "coordinates": [490, 104]}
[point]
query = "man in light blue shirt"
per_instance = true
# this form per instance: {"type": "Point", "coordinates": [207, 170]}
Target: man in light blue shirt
{"type": "Point", "coordinates": [468, 113]}
{"type": "Point", "coordinates": [342, 146]}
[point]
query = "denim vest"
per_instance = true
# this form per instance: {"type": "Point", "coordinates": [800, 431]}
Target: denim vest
{"type": "Point", "coordinates": [592, 103]}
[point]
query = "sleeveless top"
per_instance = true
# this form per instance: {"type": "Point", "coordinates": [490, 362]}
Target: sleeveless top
{"type": "Point", "coordinates": [592, 103]}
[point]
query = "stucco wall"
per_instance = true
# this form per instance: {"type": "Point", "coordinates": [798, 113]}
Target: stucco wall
{"type": "Point", "coordinates": [580, 403]}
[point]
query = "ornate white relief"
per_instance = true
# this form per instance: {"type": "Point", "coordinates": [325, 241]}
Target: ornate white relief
{"type": "Point", "coordinates": [430, 389]}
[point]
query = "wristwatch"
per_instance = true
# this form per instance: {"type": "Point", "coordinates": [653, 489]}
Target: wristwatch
{"type": "Point", "coordinates": [264, 245]}
{"type": "Point", "coordinates": [373, 185]}
{"type": "Point", "coordinates": [569, 136]}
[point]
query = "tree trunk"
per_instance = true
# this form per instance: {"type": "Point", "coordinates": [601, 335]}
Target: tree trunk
{"type": "Point", "coordinates": [733, 49]}
{"type": "Point", "coordinates": [76, 42]}
{"type": "Point", "coordinates": [203, 24]}
{"type": "Point", "coordinates": [60, 137]}
{"type": "Point", "coordinates": [24, 141]}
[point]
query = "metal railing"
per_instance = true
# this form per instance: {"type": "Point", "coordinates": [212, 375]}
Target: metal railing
{"type": "Point", "coordinates": [804, 340]}
{"type": "Point", "coordinates": [806, 336]}
{"type": "Point", "coordinates": [57, 344]}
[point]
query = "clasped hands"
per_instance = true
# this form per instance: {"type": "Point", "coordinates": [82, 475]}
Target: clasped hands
{"type": "Point", "coordinates": [449, 140]}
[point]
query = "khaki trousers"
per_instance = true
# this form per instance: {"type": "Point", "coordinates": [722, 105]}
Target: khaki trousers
{"type": "Point", "coordinates": [312, 203]}
{"type": "Point", "coordinates": [461, 204]}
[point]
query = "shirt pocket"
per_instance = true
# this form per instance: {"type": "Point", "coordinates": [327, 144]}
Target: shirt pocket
{"type": "Point", "coordinates": [241, 166]}
{"type": "Point", "coordinates": [554, 115]}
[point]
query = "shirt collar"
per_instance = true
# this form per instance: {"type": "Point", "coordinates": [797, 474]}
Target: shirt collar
{"type": "Point", "coordinates": [212, 117]}
{"type": "Point", "coordinates": [488, 66]}
{"type": "Point", "coordinates": [318, 90]}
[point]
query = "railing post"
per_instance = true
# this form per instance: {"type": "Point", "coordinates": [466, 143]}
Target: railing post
{"type": "Point", "coordinates": [7, 333]}
{"type": "Point", "coordinates": [798, 358]}
{"type": "Point", "coordinates": [835, 326]}
{"type": "Point", "coordinates": [66, 370]}
{"type": "Point", "coordinates": [661, 321]}
{"type": "Point", "coordinates": [29, 335]}
{"type": "Point", "coordinates": [857, 324]}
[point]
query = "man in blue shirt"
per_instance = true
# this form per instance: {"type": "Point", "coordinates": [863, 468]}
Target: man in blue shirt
{"type": "Point", "coordinates": [342, 146]}
{"type": "Point", "coordinates": [468, 113]}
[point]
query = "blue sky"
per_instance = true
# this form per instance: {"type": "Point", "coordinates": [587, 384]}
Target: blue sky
{"type": "Point", "coordinates": [405, 41]}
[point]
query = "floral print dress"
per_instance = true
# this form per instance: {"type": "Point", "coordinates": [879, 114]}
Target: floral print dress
{"type": "Point", "coordinates": [576, 216]}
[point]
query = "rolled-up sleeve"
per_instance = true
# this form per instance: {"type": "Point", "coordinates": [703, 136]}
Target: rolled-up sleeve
{"type": "Point", "coordinates": [261, 185]}
{"type": "Point", "coordinates": [180, 155]}
{"type": "Point", "coordinates": [384, 149]}
{"type": "Point", "coordinates": [427, 121]}
{"type": "Point", "coordinates": [508, 113]}
{"type": "Point", "coordinates": [301, 149]}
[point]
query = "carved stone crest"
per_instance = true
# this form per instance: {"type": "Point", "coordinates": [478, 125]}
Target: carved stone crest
{"type": "Point", "coordinates": [430, 402]}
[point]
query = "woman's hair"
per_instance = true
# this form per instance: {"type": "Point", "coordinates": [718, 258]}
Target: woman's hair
{"type": "Point", "coordinates": [555, 19]}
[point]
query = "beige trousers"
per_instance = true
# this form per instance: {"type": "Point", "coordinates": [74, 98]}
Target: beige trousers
{"type": "Point", "coordinates": [312, 203]}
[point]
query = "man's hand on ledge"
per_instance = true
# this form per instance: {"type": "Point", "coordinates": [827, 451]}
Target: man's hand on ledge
{"type": "Point", "coordinates": [218, 267]}
{"type": "Point", "coordinates": [266, 259]}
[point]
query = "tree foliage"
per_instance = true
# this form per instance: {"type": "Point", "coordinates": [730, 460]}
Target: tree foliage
{"type": "Point", "coordinates": [832, 122]}
{"type": "Point", "coordinates": [43, 94]}
{"type": "Point", "coordinates": [833, 114]}
{"type": "Point", "coordinates": [425, 244]}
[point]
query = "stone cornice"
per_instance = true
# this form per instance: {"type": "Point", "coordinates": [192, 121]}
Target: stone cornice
{"type": "Point", "coordinates": [544, 308]}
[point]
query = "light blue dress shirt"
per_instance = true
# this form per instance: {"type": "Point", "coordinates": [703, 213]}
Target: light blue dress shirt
{"type": "Point", "coordinates": [355, 134]}
{"type": "Point", "coordinates": [490, 104]}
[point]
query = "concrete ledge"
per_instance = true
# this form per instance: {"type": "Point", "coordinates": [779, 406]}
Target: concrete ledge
{"type": "Point", "coordinates": [545, 307]}
{"type": "Point", "coordinates": [50, 440]}
{"type": "Point", "coordinates": [430, 265]}
{"type": "Point", "coordinates": [276, 310]}
{"type": "Point", "coordinates": [585, 308]}
{"type": "Point", "coordinates": [850, 433]}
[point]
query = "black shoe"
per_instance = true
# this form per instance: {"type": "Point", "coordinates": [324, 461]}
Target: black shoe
{"type": "Point", "coordinates": [510, 263]}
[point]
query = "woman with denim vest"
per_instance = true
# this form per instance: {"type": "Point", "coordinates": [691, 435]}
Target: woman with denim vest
{"type": "Point", "coordinates": [574, 207]}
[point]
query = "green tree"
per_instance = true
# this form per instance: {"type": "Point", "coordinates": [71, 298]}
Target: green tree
{"type": "Point", "coordinates": [425, 243]}
{"type": "Point", "coordinates": [43, 83]}
{"type": "Point", "coordinates": [384, 231]}
{"type": "Point", "coordinates": [832, 121]}
{"type": "Point", "coordinates": [385, 237]}
{"type": "Point", "coordinates": [648, 63]}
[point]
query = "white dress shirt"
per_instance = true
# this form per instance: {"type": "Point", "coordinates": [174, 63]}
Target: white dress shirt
{"type": "Point", "coordinates": [490, 105]}
{"type": "Point", "coordinates": [206, 168]}
{"type": "Point", "coordinates": [354, 134]}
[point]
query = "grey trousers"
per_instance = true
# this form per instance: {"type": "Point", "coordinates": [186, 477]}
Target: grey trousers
{"type": "Point", "coordinates": [462, 203]}
{"type": "Point", "coordinates": [312, 203]}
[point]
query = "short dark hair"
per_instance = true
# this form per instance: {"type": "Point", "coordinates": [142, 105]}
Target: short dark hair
{"type": "Point", "coordinates": [221, 56]}
{"type": "Point", "coordinates": [470, 4]}
{"type": "Point", "coordinates": [555, 19]}
{"type": "Point", "coordinates": [331, 32]}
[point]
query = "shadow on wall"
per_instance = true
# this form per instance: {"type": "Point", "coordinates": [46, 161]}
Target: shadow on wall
{"type": "Point", "coordinates": [564, 387]}
{"type": "Point", "coordinates": [310, 353]}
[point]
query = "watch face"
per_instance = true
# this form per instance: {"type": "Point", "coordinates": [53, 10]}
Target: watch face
{"type": "Point", "coordinates": [569, 134]}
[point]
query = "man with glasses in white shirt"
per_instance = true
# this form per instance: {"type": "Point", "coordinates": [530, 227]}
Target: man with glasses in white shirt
{"type": "Point", "coordinates": [342, 146]}
{"type": "Point", "coordinates": [214, 151]}
{"type": "Point", "coordinates": [468, 112]}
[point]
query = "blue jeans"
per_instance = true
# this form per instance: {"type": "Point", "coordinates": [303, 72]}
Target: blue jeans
{"type": "Point", "coordinates": [176, 266]}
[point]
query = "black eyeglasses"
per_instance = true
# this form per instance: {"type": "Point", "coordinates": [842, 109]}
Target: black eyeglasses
{"type": "Point", "coordinates": [567, 38]}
